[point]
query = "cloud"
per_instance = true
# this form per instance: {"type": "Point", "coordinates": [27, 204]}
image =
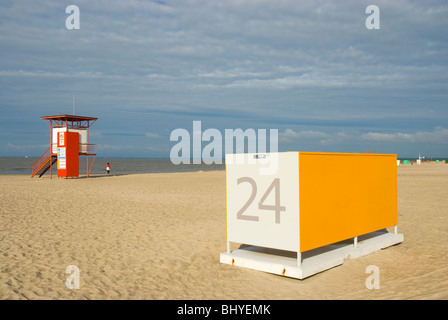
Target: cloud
{"type": "Point", "coordinates": [25, 147]}
{"type": "Point", "coordinates": [153, 135]}
{"type": "Point", "coordinates": [337, 138]}
{"type": "Point", "coordinates": [289, 135]}
{"type": "Point", "coordinates": [438, 135]}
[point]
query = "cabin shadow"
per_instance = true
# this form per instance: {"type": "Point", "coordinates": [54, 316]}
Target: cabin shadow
{"type": "Point", "coordinates": [313, 252]}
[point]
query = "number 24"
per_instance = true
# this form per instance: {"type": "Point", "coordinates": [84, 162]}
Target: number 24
{"type": "Point", "coordinates": [276, 207]}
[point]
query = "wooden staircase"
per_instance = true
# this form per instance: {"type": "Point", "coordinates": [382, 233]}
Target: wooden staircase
{"type": "Point", "coordinates": [46, 160]}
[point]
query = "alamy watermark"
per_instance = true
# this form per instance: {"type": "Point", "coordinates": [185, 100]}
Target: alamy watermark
{"type": "Point", "coordinates": [72, 281]}
{"type": "Point", "coordinates": [373, 280]}
{"type": "Point", "coordinates": [73, 20]}
{"type": "Point", "coordinates": [373, 21]}
{"type": "Point", "coordinates": [207, 146]}
{"type": "Point", "coordinates": [190, 148]}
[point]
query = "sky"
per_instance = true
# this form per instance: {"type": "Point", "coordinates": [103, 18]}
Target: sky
{"type": "Point", "coordinates": [310, 69]}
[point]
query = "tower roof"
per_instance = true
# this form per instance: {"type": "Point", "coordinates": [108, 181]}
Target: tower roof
{"type": "Point", "coordinates": [66, 120]}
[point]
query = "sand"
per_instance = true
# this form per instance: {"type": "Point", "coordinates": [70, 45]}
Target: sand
{"type": "Point", "coordinates": [159, 236]}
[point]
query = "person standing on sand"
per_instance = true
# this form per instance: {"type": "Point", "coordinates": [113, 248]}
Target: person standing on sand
{"type": "Point", "coordinates": [108, 168]}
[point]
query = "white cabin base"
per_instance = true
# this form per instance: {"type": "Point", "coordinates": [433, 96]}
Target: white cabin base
{"type": "Point", "coordinates": [314, 261]}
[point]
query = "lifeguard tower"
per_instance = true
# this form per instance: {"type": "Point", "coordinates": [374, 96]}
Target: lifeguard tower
{"type": "Point", "coordinates": [69, 140]}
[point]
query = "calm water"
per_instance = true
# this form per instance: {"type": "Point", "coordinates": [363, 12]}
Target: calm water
{"type": "Point", "coordinates": [15, 165]}
{"type": "Point", "coordinates": [21, 165]}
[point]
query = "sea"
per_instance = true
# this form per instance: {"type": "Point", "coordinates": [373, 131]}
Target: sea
{"type": "Point", "coordinates": [23, 165]}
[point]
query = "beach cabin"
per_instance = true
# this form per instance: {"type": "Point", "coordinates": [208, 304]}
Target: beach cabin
{"type": "Point", "coordinates": [69, 140]}
{"type": "Point", "coordinates": [298, 213]}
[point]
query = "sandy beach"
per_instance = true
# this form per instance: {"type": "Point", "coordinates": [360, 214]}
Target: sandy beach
{"type": "Point", "coordinates": [159, 236]}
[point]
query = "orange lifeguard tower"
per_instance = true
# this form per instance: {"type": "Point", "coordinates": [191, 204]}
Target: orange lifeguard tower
{"type": "Point", "coordinates": [69, 140]}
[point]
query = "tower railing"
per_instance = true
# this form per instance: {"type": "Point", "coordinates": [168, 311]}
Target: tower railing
{"type": "Point", "coordinates": [84, 148]}
{"type": "Point", "coordinates": [87, 149]}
